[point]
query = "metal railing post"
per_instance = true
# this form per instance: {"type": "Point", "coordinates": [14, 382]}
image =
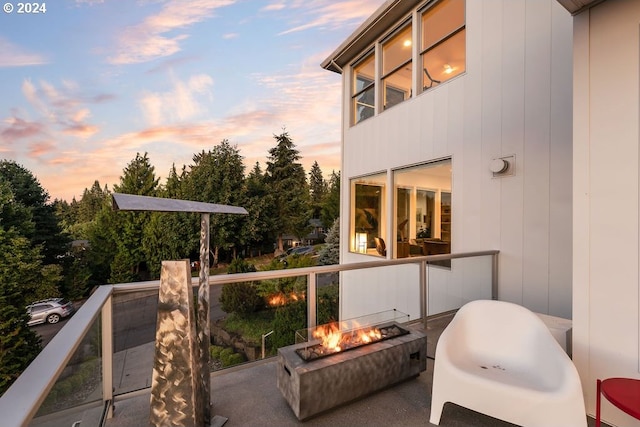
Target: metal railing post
{"type": "Point", "coordinates": [424, 292]}
{"type": "Point", "coordinates": [494, 276]}
{"type": "Point", "coordinates": [107, 355]}
{"type": "Point", "coordinates": [312, 301]}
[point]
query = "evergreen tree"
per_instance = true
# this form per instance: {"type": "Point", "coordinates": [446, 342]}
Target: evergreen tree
{"type": "Point", "coordinates": [92, 201]}
{"type": "Point", "coordinates": [172, 235]}
{"type": "Point", "coordinates": [331, 202]}
{"type": "Point", "coordinates": [217, 176]}
{"type": "Point", "coordinates": [288, 186]}
{"type": "Point", "coordinates": [318, 189]}
{"type": "Point", "coordinates": [27, 191]}
{"type": "Point", "coordinates": [129, 263]}
{"type": "Point", "coordinates": [259, 203]}
{"type": "Point", "coordinates": [330, 252]}
{"type": "Point", "coordinates": [19, 265]}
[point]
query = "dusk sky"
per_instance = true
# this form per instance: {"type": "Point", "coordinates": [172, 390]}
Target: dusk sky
{"type": "Point", "coordinates": [90, 83]}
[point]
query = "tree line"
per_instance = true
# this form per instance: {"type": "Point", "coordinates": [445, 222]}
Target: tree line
{"type": "Point", "coordinates": [62, 248]}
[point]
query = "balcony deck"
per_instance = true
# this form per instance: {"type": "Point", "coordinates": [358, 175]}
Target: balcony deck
{"type": "Point", "coordinates": [247, 395]}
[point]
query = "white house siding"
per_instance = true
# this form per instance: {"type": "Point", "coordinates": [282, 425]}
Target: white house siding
{"type": "Point", "coordinates": [605, 265]}
{"type": "Point", "coordinates": [514, 99]}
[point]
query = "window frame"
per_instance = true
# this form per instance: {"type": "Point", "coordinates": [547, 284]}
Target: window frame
{"type": "Point", "coordinates": [384, 76]}
{"type": "Point", "coordinates": [407, 246]}
{"type": "Point", "coordinates": [370, 54]}
{"type": "Point", "coordinates": [422, 50]}
{"type": "Point", "coordinates": [376, 179]}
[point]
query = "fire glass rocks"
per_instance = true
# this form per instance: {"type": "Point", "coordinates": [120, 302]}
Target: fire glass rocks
{"type": "Point", "coordinates": [321, 384]}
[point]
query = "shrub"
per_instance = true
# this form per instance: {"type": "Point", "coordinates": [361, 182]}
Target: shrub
{"type": "Point", "coordinates": [240, 265]}
{"type": "Point", "coordinates": [240, 298]}
{"type": "Point", "coordinates": [288, 319]}
{"type": "Point", "coordinates": [225, 355]}
{"type": "Point", "coordinates": [215, 350]}
{"type": "Point", "coordinates": [232, 359]}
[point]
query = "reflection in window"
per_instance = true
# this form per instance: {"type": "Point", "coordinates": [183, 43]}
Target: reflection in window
{"type": "Point", "coordinates": [443, 48]}
{"type": "Point", "coordinates": [363, 93]}
{"type": "Point", "coordinates": [423, 209]}
{"type": "Point", "coordinates": [396, 67]}
{"type": "Point", "coordinates": [367, 215]}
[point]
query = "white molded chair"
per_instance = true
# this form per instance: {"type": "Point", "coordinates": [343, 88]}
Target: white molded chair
{"type": "Point", "coordinates": [499, 359]}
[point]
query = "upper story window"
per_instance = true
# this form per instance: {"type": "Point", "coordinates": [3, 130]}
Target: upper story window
{"type": "Point", "coordinates": [443, 44]}
{"type": "Point", "coordinates": [363, 91]}
{"type": "Point", "coordinates": [396, 67]}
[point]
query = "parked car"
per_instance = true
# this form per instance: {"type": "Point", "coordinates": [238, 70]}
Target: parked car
{"type": "Point", "coordinates": [49, 310]}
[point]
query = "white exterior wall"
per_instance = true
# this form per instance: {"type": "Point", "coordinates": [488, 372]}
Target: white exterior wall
{"type": "Point", "coordinates": [605, 264]}
{"type": "Point", "coordinates": [514, 99]}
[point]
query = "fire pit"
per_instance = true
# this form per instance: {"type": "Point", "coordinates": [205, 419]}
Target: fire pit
{"type": "Point", "coordinates": [337, 363]}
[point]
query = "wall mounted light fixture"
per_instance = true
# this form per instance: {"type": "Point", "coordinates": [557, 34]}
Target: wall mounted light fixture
{"type": "Point", "coordinates": [503, 166]}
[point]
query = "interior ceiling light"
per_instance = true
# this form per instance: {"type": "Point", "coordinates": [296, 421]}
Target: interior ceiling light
{"type": "Point", "coordinates": [448, 69]}
{"type": "Point", "coordinates": [407, 43]}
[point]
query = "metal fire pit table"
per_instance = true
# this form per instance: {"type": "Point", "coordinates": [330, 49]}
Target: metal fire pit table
{"type": "Point", "coordinates": [312, 387]}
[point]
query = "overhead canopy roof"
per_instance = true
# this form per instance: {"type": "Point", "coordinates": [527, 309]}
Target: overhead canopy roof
{"type": "Point", "coordinates": [577, 6]}
{"type": "Point", "coordinates": [132, 202]}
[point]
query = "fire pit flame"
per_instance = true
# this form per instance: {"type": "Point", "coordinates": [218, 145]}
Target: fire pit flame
{"type": "Point", "coordinates": [332, 340]}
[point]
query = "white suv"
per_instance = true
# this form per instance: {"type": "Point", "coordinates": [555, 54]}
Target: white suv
{"type": "Point", "coordinates": [49, 310]}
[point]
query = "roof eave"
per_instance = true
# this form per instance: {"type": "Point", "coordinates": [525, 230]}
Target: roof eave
{"type": "Point", "coordinates": [367, 33]}
{"type": "Point", "coordinates": [576, 7]}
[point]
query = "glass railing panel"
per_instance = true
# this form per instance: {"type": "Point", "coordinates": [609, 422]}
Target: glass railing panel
{"type": "Point", "coordinates": [327, 297]}
{"type": "Point", "coordinates": [467, 279]}
{"type": "Point", "coordinates": [252, 319]}
{"type": "Point", "coordinates": [134, 332]}
{"type": "Point", "coordinates": [378, 289]}
{"type": "Point", "coordinates": [77, 394]}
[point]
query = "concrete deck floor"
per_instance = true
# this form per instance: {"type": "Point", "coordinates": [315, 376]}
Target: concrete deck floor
{"type": "Point", "coordinates": [247, 395]}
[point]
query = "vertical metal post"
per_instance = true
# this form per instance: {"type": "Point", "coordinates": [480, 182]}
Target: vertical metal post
{"type": "Point", "coordinates": [312, 301]}
{"type": "Point", "coordinates": [424, 292]}
{"type": "Point", "coordinates": [204, 318]}
{"type": "Point", "coordinates": [107, 354]}
{"type": "Point", "coordinates": [494, 276]}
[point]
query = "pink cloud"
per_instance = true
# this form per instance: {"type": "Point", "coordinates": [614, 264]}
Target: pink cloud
{"type": "Point", "coordinates": [40, 149]}
{"type": "Point", "coordinates": [148, 40]}
{"type": "Point", "coordinates": [12, 55]}
{"type": "Point", "coordinates": [332, 14]}
{"type": "Point", "coordinates": [18, 129]}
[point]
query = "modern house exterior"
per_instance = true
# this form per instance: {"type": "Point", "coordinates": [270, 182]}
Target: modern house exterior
{"type": "Point", "coordinates": [457, 136]}
{"type": "Point", "coordinates": [474, 125]}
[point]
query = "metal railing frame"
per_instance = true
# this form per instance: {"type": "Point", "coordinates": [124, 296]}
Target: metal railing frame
{"type": "Point", "coordinates": [21, 401]}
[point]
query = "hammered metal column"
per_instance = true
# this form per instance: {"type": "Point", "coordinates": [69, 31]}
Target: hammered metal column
{"type": "Point", "coordinates": [204, 318]}
{"type": "Point", "coordinates": [175, 399]}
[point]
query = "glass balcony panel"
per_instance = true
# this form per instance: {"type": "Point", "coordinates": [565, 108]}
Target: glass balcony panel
{"type": "Point", "coordinates": [77, 394]}
{"type": "Point", "coordinates": [467, 279]}
{"type": "Point", "coordinates": [134, 331]}
{"type": "Point", "coordinates": [379, 289]}
{"type": "Point", "coordinates": [328, 298]}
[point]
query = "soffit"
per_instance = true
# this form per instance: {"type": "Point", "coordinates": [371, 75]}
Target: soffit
{"type": "Point", "coordinates": [375, 26]}
{"type": "Point", "coordinates": [577, 6]}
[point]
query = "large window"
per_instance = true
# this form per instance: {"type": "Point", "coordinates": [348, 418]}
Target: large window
{"type": "Point", "coordinates": [368, 201]}
{"type": "Point", "coordinates": [396, 67]}
{"type": "Point", "coordinates": [363, 92]}
{"type": "Point", "coordinates": [443, 48]}
{"type": "Point", "coordinates": [423, 209]}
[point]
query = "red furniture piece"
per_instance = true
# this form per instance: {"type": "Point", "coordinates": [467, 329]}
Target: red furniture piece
{"type": "Point", "coordinates": [624, 393]}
